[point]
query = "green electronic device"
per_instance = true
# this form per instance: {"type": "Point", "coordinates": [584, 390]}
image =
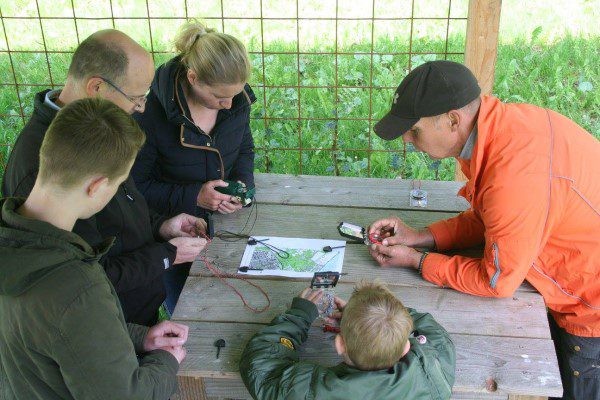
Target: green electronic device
{"type": "Point", "coordinates": [237, 190]}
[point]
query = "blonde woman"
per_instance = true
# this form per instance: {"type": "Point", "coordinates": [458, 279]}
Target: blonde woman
{"type": "Point", "coordinates": [197, 131]}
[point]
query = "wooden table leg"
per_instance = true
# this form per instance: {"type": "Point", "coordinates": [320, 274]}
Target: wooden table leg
{"type": "Point", "coordinates": [190, 388]}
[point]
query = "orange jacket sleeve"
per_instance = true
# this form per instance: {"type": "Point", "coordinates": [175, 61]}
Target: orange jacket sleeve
{"type": "Point", "coordinates": [513, 204]}
{"type": "Point", "coordinates": [460, 232]}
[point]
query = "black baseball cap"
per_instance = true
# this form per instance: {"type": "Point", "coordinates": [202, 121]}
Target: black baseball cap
{"type": "Point", "coordinates": [433, 88]}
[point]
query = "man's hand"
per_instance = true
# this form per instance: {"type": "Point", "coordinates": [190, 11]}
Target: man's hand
{"type": "Point", "coordinates": [311, 295]}
{"type": "Point", "coordinates": [210, 199]}
{"type": "Point", "coordinates": [166, 334]}
{"type": "Point", "coordinates": [183, 225]}
{"type": "Point", "coordinates": [188, 248]}
{"type": "Point", "coordinates": [395, 256]}
{"type": "Point", "coordinates": [394, 231]}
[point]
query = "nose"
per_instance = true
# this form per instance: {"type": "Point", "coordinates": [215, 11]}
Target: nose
{"type": "Point", "coordinates": [226, 104]}
{"type": "Point", "coordinates": [141, 108]}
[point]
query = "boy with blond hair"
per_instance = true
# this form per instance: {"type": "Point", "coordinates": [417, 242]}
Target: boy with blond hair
{"type": "Point", "coordinates": [389, 352]}
{"type": "Point", "coordinates": [63, 333]}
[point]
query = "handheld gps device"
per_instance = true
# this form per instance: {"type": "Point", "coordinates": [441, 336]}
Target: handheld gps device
{"type": "Point", "coordinates": [325, 281]}
{"type": "Point", "coordinates": [358, 234]}
{"type": "Point", "coordinates": [237, 190]}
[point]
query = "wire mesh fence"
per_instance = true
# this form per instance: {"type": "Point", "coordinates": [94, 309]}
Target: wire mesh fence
{"type": "Point", "coordinates": [324, 72]}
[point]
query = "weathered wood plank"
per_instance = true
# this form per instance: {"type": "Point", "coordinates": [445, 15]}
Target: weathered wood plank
{"type": "Point", "coordinates": [518, 365]}
{"type": "Point", "coordinates": [392, 194]}
{"type": "Point", "coordinates": [235, 389]}
{"type": "Point", "coordinates": [358, 265]}
{"type": "Point", "coordinates": [208, 299]}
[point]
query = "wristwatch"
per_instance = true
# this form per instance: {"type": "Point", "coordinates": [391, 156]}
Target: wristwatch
{"type": "Point", "coordinates": [421, 261]}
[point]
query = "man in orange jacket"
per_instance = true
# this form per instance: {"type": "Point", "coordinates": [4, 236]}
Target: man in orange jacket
{"type": "Point", "coordinates": [534, 190]}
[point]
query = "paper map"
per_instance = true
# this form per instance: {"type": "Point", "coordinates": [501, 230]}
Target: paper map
{"type": "Point", "coordinates": [306, 256]}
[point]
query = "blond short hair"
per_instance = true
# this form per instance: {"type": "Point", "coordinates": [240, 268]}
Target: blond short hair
{"type": "Point", "coordinates": [217, 58]}
{"type": "Point", "coordinates": [88, 137]}
{"type": "Point", "coordinates": [375, 327]}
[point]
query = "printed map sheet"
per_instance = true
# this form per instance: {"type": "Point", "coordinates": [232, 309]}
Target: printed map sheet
{"type": "Point", "coordinates": [306, 256]}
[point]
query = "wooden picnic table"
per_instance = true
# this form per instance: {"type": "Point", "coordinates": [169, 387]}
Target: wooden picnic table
{"type": "Point", "coordinates": [503, 346]}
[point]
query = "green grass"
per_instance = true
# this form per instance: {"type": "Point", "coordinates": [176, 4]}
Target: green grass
{"type": "Point", "coordinates": [549, 67]}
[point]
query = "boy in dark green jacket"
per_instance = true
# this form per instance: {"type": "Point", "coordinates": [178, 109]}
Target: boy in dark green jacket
{"type": "Point", "coordinates": [384, 357]}
{"type": "Point", "coordinates": [62, 330]}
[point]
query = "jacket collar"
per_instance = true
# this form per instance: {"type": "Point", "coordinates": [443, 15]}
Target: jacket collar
{"type": "Point", "coordinates": [42, 111]}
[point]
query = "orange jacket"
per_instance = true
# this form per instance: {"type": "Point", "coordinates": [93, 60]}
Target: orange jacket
{"type": "Point", "coordinates": [534, 190]}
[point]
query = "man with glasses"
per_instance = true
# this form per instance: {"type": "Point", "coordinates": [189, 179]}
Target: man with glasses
{"type": "Point", "coordinates": [110, 65]}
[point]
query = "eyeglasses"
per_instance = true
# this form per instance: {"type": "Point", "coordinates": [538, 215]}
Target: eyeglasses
{"type": "Point", "coordinates": [138, 101]}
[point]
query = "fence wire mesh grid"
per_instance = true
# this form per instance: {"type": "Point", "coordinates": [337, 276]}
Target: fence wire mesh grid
{"type": "Point", "coordinates": [324, 72]}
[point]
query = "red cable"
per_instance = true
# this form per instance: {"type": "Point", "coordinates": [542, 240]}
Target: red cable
{"type": "Point", "coordinates": [224, 275]}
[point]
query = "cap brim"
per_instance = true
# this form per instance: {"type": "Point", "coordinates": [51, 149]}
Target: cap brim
{"type": "Point", "coordinates": [391, 126]}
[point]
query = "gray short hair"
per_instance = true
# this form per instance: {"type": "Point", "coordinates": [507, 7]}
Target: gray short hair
{"type": "Point", "coordinates": [96, 57]}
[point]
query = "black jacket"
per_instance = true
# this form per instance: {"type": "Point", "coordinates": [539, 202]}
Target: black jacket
{"type": "Point", "coordinates": [169, 174]}
{"type": "Point", "coordinates": [136, 263]}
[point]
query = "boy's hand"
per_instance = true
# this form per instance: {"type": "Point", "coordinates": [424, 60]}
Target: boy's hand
{"type": "Point", "coordinates": [183, 225]}
{"type": "Point", "coordinates": [341, 304]}
{"type": "Point", "coordinates": [166, 334]}
{"type": "Point", "coordinates": [313, 296]}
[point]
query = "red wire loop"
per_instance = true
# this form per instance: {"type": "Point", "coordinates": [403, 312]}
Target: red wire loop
{"type": "Point", "coordinates": [222, 276]}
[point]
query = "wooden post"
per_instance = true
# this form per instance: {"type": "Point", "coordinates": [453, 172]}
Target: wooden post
{"type": "Point", "coordinates": [481, 47]}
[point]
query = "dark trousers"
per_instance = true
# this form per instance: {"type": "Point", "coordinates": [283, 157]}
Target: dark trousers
{"type": "Point", "coordinates": [174, 279]}
{"type": "Point", "coordinates": [579, 363]}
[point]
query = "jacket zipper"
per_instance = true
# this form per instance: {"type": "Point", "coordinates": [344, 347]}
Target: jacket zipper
{"type": "Point", "coordinates": [494, 279]}
{"type": "Point", "coordinates": [127, 195]}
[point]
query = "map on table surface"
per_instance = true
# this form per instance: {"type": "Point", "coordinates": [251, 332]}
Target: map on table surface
{"type": "Point", "coordinates": [306, 256]}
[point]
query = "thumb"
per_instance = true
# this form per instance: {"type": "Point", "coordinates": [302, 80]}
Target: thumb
{"type": "Point", "coordinates": [385, 250]}
{"type": "Point", "coordinates": [221, 183]}
{"type": "Point", "coordinates": [392, 241]}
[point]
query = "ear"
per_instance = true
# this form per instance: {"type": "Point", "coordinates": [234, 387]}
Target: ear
{"type": "Point", "coordinates": [93, 86]}
{"type": "Point", "coordinates": [95, 185]}
{"type": "Point", "coordinates": [455, 119]}
{"type": "Point", "coordinates": [191, 75]}
{"type": "Point", "coordinates": [340, 346]}
{"type": "Point", "coordinates": [406, 348]}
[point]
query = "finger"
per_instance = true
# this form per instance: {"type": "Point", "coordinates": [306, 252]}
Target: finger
{"type": "Point", "coordinates": [385, 250]}
{"type": "Point", "coordinates": [315, 296]}
{"type": "Point", "coordinates": [201, 225]}
{"type": "Point", "coordinates": [171, 328]}
{"type": "Point", "coordinates": [380, 225]}
{"type": "Point", "coordinates": [305, 293]}
{"type": "Point", "coordinates": [336, 315]}
{"type": "Point", "coordinates": [166, 341]}
{"type": "Point", "coordinates": [339, 302]}
{"type": "Point", "coordinates": [224, 210]}
{"type": "Point", "coordinates": [228, 206]}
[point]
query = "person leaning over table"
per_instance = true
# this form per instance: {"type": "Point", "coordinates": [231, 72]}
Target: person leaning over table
{"type": "Point", "coordinates": [534, 190]}
{"type": "Point", "coordinates": [197, 125]}
{"type": "Point", "coordinates": [110, 65]}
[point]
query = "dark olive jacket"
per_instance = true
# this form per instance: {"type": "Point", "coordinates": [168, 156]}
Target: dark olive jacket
{"type": "Point", "coordinates": [62, 331]}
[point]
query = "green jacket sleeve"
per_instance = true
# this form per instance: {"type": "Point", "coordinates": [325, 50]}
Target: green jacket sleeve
{"type": "Point", "coordinates": [97, 357]}
{"type": "Point", "coordinates": [441, 347]}
{"type": "Point", "coordinates": [270, 361]}
{"type": "Point", "coordinates": [137, 334]}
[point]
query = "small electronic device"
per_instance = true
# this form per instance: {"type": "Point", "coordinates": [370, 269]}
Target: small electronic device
{"type": "Point", "coordinates": [237, 190]}
{"type": "Point", "coordinates": [325, 281]}
{"type": "Point", "coordinates": [358, 233]}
